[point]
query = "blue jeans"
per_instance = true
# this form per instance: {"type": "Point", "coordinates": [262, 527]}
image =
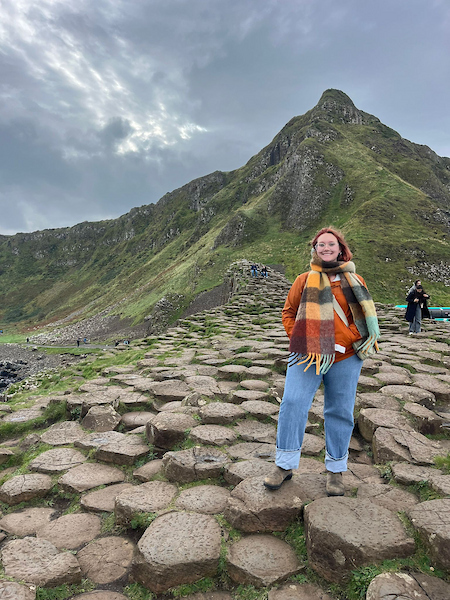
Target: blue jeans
{"type": "Point", "coordinates": [414, 326]}
{"type": "Point", "coordinates": [340, 390]}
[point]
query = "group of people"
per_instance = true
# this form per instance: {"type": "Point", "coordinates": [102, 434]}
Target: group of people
{"type": "Point", "coordinates": [254, 271]}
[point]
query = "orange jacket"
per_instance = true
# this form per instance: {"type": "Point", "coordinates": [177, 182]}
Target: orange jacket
{"type": "Point", "coordinates": [344, 336]}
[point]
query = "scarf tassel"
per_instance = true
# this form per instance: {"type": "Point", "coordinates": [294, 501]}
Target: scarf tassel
{"type": "Point", "coordinates": [323, 362]}
{"type": "Point", "coordinates": [371, 341]}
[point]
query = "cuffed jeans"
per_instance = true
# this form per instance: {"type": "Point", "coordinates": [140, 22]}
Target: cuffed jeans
{"type": "Point", "coordinates": [340, 390]}
{"type": "Point", "coordinates": [414, 326]}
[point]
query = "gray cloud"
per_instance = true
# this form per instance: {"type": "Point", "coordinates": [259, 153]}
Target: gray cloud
{"type": "Point", "coordinates": [108, 105]}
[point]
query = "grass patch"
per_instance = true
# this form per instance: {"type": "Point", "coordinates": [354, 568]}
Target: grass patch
{"type": "Point", "coordinates": [63, 592]}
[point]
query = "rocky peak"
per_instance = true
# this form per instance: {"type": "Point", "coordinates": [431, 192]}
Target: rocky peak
{"type": "Point", "coordinates": [336, 107]}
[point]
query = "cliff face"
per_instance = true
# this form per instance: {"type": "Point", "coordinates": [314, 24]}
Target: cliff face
{"type": "Point", "coordinates": [334, 164]}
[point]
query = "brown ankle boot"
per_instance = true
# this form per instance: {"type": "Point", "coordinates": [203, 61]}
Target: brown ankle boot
{"type": "Point", "coordinates": [335, 485]}
{"type": "Point", "coordinates": [276, 479]}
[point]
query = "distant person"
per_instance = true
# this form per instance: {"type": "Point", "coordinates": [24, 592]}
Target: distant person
{"type": "Point", "coordinates": [264, 272]}
{"type": "Point", "coordinates": [78, 343]}
{"type": "Point", "coordinates": [417, 308]}
{"type": "Point", "coordinates": [85, 340]}
{"type": "Point", "coordinates": [254, 270]}
{"type": "Point", "coordinates": [321, 350]}
{"type": "Point", "coordinates": [28, 340]}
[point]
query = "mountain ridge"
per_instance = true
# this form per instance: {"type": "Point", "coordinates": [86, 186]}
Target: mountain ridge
{"type": "Point", "coordinates": [334, 165]}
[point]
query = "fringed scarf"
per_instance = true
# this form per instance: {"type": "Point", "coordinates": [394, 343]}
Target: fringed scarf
{"type": "Point", "coordinates": [312, 338]}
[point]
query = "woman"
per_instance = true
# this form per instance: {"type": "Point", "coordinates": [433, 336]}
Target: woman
{"type": "Point", "coordinates": [417, 308]}
{"type": "Point", "coordinates": [321, 350]}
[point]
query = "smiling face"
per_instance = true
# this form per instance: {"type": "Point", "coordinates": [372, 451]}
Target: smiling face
{"type": "Point", "coordinates": [327, 247]}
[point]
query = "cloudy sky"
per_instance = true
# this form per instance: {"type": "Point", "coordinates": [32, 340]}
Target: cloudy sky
{"type": "Point", "coordinates": [108, 104]}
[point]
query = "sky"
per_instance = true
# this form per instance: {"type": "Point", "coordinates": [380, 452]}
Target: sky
{"type": "Point", "coordinates": [106, 105]}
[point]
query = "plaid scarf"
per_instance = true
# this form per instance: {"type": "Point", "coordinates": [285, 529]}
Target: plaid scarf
{"type": "Point", "coordinates": [312, 338]}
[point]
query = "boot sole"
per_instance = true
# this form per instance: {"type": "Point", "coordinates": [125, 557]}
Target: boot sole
{"type": "Point", "coordinates": [269, 486]}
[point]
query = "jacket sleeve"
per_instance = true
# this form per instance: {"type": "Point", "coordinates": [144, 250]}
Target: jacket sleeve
{"type": "Point", "coordinates": [410, 297]}
{"type": "Point", "coordinates": [292, 303]}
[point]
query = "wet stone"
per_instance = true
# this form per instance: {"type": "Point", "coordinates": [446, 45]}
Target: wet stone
{"type": "Point", "coordinates": [57, 459]}
{"type": "Point", "coordinates": [261, 560]}
{"type": "Point", "coordinates": [206, 499]}
{"type": "Point", "coordinates": [146, 497]}
{"type": "Point", "coordinates": [26, 522]}
{"type": "Point", "coordinates": [71, 531]}
{"type": "Point", "coordinates": [213, 435]}
{"type": "Point", "coordinates": [194, 464]}
{"type": "Point", "coordinates": [106, 560]}
{"type": "Point", "coordinates": [432, 520]}
{"type": "Point", "coordinates": [88, 476]}
{"type": "Point", "coordinates": [177, 548]}
{"type": "Point", "coordinates": [221, 413]}
{"type": "Point", "coordinates": [61, 434]}
{"type": "Point", "coordinates": [25, 487]}
{"type": "Point", "coordinates": [39, 562]}
{"type": "Point", "coordinates": [103, 500]}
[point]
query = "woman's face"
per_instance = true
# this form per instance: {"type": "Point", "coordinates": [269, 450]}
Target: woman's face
{"type": "Point", "coordinates": [327, 247]}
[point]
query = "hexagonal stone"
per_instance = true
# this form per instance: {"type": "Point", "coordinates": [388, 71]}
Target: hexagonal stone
{"type": "Point", "coordinates": [254, 431]}
{"type": "Point", "coordinates": [204, 385]}
{"type": "Point", "coordinates": [177, 548]}
{"type": "Point", "coordinates": [57, 459]}
{"type": "Point", "coordinates": [252, 508]}
{"type": "Point", "coordinates": [101, 418]}
{"type": "Point", "coordinates": [9, 590]}
{"type": "Point", "coordinates": [169, 391]}
{"type": "Point", "coordinates": [100, 595]}
{"type": "Point", "coordinates": [221, 413]}
{"type": "Point", "coordinates": [398, 445]}
{"type": "Point", "coordinates": [370, 419]}
{"type": "Point", "coordinates": [64, 433]}
{"type": "Point", "coordinates": [23, 415]}
{"type": "Point", "coordinates": [239, 396]}
{"type": "Point", "coordinates": [194, 464]}
{"type": "Point", "coordinates": [255, 384]}
{"type": "Point", "coordinates": [248, 450]}
{"type": "Point", "coordinates": [144, 498]}
{"type": "Point", "coordinates": [427, 421]}
{"type": "Point", "coordinates": [25, 487]}
{"type": "Point", "coordinates": [212, 435]}
{"type": "Point", "coordinates": [312, 444]}
{"type": "Point", "coordinates": [432, 520]}
{"type": "Point", "coordinates": [441, 484]}
{"type": "Point", "coordinates": [235, 472]}
{"type": "Point", "coordinates": [258, 372]}
{"type": "Point", "coordinates": [124, 451]}
{"type": "Point", "coordinates": [92, 441]}
{"type": "Point", "coordinates": [408, 474]}
{"type": "Point", "coordinates": [71, 531]}
{"type": "Point", "coordinates": [206, 499]}
{"type": "Point", "coordinates": [135, 419]}
{"type": "Point", "coordinates": [260, 409]}
{"type": "Point", "coordinates": [407, 586]}
{"type": "Point", "coordinates": [26, 522]}
{"type": "Point", "coordinates": [149, 470]}
{"type": "Point", "coordinates": [261, 560]}
{"type": "Point", "coordinates": [392, 498]}
{"type": "Point", "coordinates": [410, 393]}
{"type": "Point", "coordinates": [232, 372]}
{"type": "Point", "coordinates": [106, 560]}
{"type": "Point", "coordinates": [440, 388]}
{"type": "Point", "coordinates": [39, 562]}
{"type": "Point", "coordinates": [363, 534]}
{"type": "Point", "coordinates": [88, 476]}
{"type": "Point", "coordinates": [168, 429]}
{"type": "Point", "coordinates": [376, 400]}
{"type": "Point", "coordinates": [298, 591]}
{"type": "Point", "coordinates": [103, 500]}
{"type": "Point", "coordinates": [368, 384]}
{"type": "Point", "coordinates": [394, 378]}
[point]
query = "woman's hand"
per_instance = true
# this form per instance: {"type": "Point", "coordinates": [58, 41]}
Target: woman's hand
{"type": "Point", "coordinates": [416, 299]}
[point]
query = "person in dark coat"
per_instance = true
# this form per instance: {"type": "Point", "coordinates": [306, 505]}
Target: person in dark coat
{"type": "Point", "coordinates": [417, 308]}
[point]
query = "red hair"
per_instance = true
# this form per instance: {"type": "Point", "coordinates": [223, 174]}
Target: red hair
{"type": "Point", "coordinates": [345, 250]}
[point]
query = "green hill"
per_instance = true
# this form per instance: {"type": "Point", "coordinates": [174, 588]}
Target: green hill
{"type": "Point", "coordinates": [333, 165]}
